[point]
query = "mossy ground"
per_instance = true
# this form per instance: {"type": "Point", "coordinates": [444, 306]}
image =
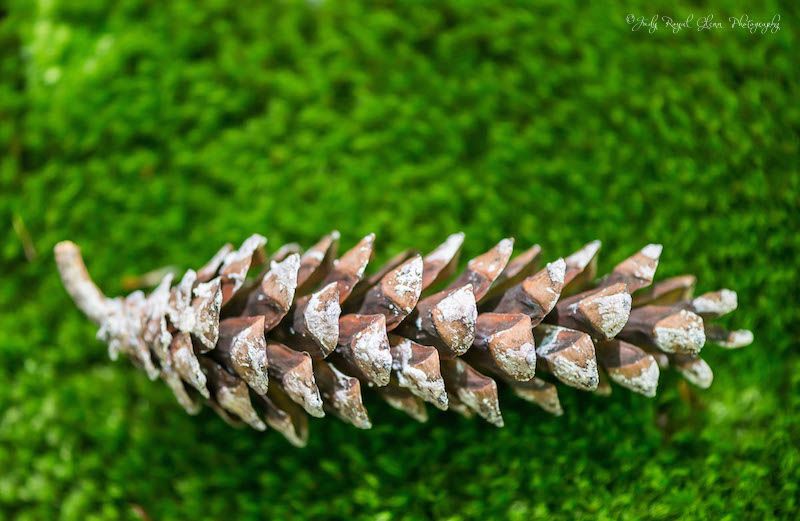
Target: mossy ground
{"type": "Point", "coordinates": [152, 132]}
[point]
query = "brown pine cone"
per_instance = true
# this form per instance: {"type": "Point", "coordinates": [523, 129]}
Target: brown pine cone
{"type": "Point", "coordinates": [310, 331]}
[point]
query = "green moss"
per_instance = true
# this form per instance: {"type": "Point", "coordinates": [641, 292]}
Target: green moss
{"type": "Point", "coordinates": [151, 132]}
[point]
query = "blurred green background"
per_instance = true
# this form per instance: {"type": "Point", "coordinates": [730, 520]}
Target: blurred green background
{"type": "Point", "coordinates": [151, 132]}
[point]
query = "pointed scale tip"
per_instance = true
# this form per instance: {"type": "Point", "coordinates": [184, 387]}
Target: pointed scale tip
{"type": "Point", "coordinates": [556, 271]}
{"type": "Point", "coordinates": [370, 351]}
{"type": "Point", "coordinates": [582, 257]}
{"type": "Point", "coordinates": [294, 371]}
{"type": "Point", "coordinates": [570, 356]}
{"type": "Point", "coordinates": [652, 251]}
{"type": "Point", "coordinates": [396, 294]}
{"type": "Point", "coordinates": [322, 317]}
{"type": "Point", "coordinates": [539, 392]}
{"type": "Point", "coordinates": [482, 271]}
{"type": "Point", "coordinates": [417, 369]}
{"type": "Point", "coordinates": [607, 310]}
{"type": "Point", "coordinates": [681, 332]}
{"type": "Point", "coordinates": [629, 366]}
{"type": "Point", "coordinates": [694, 369]}
{"type": "Point", "coordinates": [728, 339]}
{"type": "Point", "coordinates": [454, 318]}
{"type": "Point", "coordinates": [447, 250]}
{"type": "Point", "coordinates": [716, 303]}
{"type": "Point", "coordinates": [508, 340]}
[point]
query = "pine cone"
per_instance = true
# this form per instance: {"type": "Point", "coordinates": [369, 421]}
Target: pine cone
{"type": "Point", "coordinates": [310, 332]}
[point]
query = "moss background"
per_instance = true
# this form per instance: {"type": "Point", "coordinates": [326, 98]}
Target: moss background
{"type": "Point", "coordinates": [151, 132]}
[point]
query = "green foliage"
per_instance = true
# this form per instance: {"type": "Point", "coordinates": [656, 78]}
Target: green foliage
{"type": "Point", "coordinates": [151, 132]}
